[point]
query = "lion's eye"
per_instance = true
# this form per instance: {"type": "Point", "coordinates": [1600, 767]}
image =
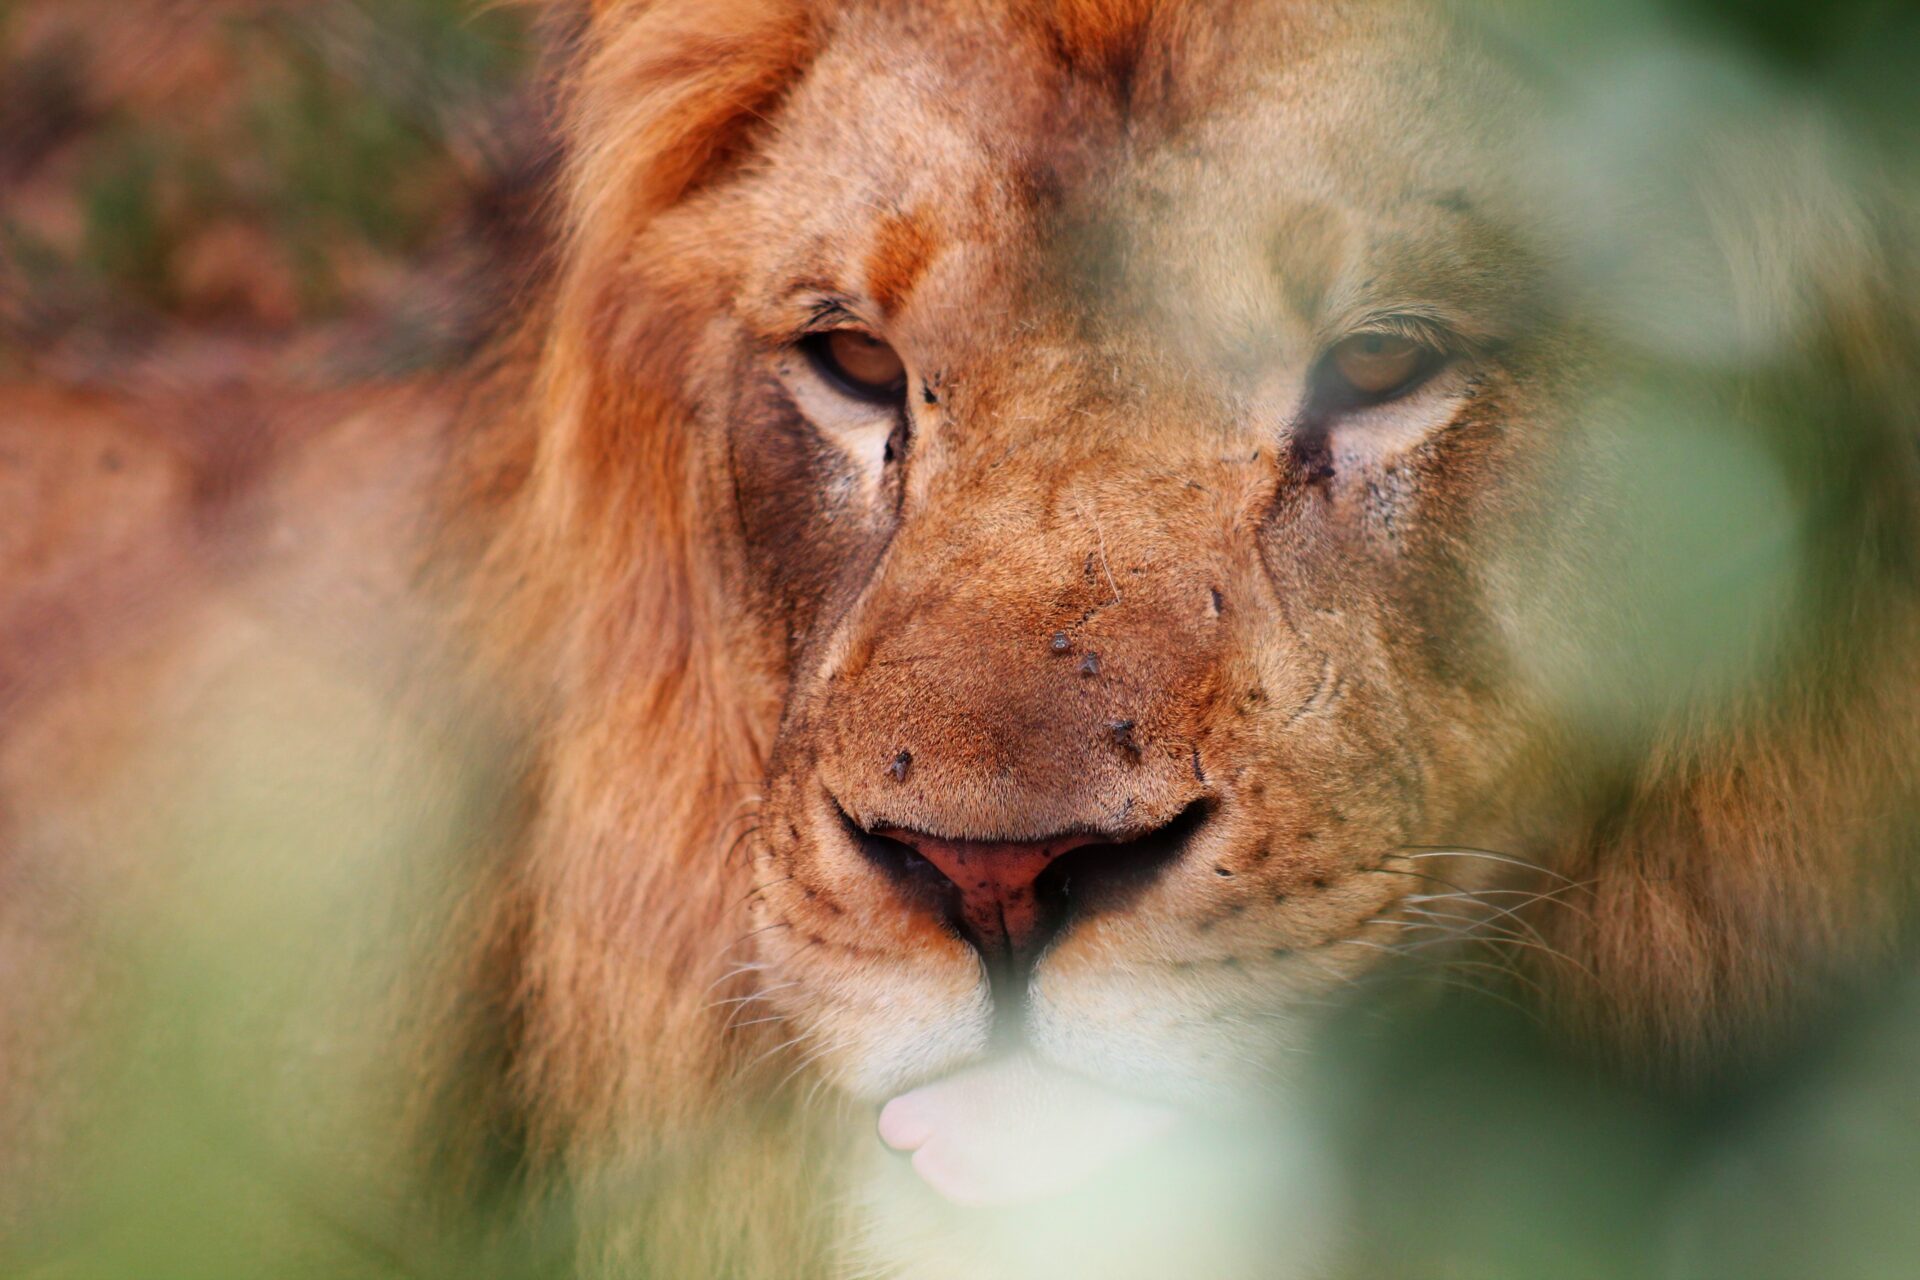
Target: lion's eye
{"type": "Point", "coordinates": [1373, 365]}
{"type": "Point", "coordinates": [858, 364]}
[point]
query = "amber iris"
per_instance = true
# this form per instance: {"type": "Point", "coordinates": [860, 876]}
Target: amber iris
{"type": "Point", "coordinates": [1373, 364]}
{"type": "Point", "coordinates": [859, 364]}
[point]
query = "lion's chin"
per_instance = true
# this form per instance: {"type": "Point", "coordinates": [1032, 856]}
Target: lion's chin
{"type": "Point", "coordinates": [1025, 1170]}
{"type": "Point", "coordinates": [1014, 1129]}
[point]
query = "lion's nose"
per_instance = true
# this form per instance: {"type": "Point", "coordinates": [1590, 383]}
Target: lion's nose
{"type": "Point", "coordinates": [998, 883]}
{"type": "Point", "coordinates": [1010, 896]}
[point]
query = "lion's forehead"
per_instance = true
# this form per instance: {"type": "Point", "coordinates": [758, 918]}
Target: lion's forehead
{"type": "Point", "coordinates": [932, 160]}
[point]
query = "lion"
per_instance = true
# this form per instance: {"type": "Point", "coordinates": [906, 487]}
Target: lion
{"type": "Point", "coordinates": [1022, 549]}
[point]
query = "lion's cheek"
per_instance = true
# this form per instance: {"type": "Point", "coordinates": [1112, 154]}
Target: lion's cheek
{"type": "Point", "coordinates": [874, 1026]}
{"type": "Point", "coordinates": [1160, 1034]}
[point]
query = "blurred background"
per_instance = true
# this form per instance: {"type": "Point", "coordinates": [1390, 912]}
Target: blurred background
{"type": "Point", "coordinates": [326, 192]}
{"type": "Point", "coordinates": [331, 190]}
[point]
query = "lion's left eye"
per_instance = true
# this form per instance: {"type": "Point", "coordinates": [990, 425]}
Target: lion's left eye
{"type": "Point", "coordinates": [858, 364]}
{"type": "Point", "coordinates": [1373, 366]}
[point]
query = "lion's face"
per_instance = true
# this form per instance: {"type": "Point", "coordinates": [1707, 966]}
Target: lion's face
{"type": "Point", "coordinates": [1122, 457]}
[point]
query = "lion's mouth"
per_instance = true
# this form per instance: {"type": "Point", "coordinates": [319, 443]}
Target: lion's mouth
{"type": "Point", "coordinates": [1011, 899]}
{"type": "Point", "coordinates": [1015, 1129]}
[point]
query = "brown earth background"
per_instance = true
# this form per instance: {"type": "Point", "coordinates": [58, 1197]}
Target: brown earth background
{"type": "Point", "coordinates": [310, 191]}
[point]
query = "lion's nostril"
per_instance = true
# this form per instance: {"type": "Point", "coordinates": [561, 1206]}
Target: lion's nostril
{"type": "Point", "coordinates": [1105, 875]}
{"type": "Point", "coordinates": [1009, 897]}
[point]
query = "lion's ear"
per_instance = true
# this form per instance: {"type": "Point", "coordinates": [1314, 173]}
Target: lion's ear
{"type": "Point", "coordinates": [667, 89]}
{"type": "Point", "coordinates": [666, 95]}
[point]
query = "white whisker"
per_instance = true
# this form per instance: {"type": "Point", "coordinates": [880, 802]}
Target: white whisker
{"type": "Point", "coordinates": [732, 973]}
{"type": "Point", "coordinates": [1423, 851]}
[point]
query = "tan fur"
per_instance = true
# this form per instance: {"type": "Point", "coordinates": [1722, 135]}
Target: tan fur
{"type": "Point", "coordinates": [654, 577]}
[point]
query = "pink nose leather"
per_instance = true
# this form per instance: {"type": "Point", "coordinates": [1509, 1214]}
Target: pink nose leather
{"type": "Point", "coordinates": [996, 882]}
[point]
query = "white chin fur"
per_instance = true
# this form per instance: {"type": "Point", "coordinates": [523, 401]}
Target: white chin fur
{"type": "Point", "coordinates": [1013, 1168]}
{"type": "Point", "coordinates": [1015, 1130]}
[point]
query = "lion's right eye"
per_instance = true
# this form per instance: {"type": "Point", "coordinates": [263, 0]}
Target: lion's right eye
{"type": "Point", "coordinates": [858, 364]}
{"type": "Point", "coordinates": [1372, 368]}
